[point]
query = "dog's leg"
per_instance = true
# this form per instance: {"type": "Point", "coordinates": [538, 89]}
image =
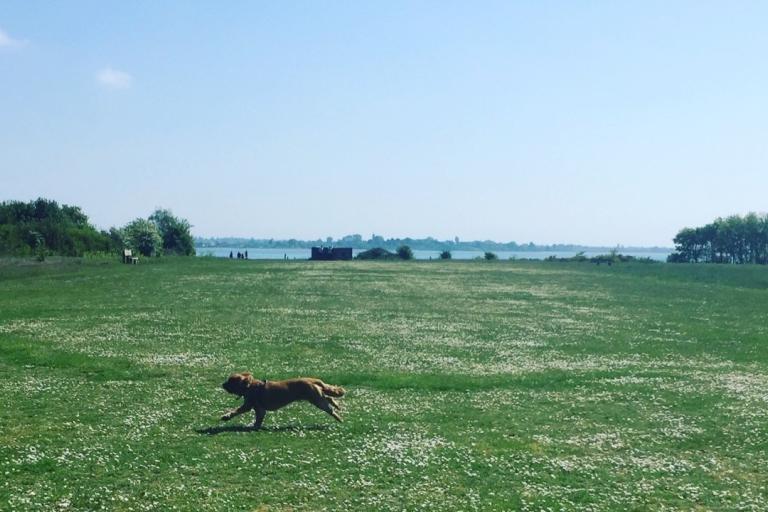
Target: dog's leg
{"type": "Point", "coordinates": [322, 403]}
{"type": "Point", "coordinates": [333, 402]}
{"type": "Point", "coordinates": [260, 413]}
{"type": "Point", "coordinates": [234, 412]}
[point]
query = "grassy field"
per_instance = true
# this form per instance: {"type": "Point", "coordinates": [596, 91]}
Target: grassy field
{"type": "Point", "coordinates": [471, 386]}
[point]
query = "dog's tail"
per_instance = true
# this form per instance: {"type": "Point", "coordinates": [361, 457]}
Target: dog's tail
{"type": "Point", "coordinates": [332, 390]}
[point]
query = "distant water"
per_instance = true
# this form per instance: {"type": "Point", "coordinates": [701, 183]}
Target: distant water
{"type": "Point", "coordinates": [303, 254]}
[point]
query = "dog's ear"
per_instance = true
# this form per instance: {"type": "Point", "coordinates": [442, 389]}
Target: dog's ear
{"type": "Point", "coordinates": [248, 378]}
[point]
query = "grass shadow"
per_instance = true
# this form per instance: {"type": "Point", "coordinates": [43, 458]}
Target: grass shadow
{"type": "Point", "coordinates": [291, 427]}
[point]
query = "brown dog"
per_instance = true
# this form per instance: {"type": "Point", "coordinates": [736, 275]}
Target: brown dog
{"type": "Point", "coordinates": [263, 396]}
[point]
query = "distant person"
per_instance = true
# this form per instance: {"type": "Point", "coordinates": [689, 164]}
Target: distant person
{"type": "Point", "coordinates": [246, 254]}
{"type": "Point", "coordinates": [239, 255]}
{"type": "Point", "coordinates": [285, 256]}
{"type": "Point", "coordinates": [230, 255]}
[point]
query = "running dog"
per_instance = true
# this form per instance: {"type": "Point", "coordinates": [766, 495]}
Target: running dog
{"type": "Point", "coordinates": [263, 396]}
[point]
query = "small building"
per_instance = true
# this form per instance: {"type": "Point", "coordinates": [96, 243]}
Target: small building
{"type": "Point", "coordinates": [331, 253]}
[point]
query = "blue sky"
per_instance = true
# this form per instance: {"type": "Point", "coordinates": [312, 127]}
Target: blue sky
{"type": "Point", "coordinates": [587, 122]}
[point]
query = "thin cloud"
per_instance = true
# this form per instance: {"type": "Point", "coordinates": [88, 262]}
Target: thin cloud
{"type": "Point", "coordinates": [7, 41]}
{"type": "Point", "coordinates": [114, 78]}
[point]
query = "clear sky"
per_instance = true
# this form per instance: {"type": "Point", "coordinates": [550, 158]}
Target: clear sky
{"type": "Point", "coordinates": [587, 122]}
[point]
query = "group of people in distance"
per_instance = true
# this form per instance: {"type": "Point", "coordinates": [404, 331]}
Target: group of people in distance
{"type": "Point", "coordinates": [240, 255]}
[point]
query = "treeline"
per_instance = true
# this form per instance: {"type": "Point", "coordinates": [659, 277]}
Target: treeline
{"type": "Point", "coordinates": [609, 259]}
{"type": "Point", "coordinates": [735, 239]}
{"type": "Point", "coordinates": [43, 227]}
{"type": "Point", "coordinates": [379, 253]}
{"type": "Point", "coordinates": [392, 244]}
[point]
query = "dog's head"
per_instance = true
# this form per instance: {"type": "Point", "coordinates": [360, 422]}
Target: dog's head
{"type": "Point", "coordinates": [238, 383]}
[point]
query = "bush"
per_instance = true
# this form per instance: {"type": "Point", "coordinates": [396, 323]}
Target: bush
{"type": "Point", "coordinates": [609, 259]}
{"type": "Point", "coordinates": [174, 233]}
{"type": "Point", "coordinates": [404, 252]}
{"type": "Point", "coordinates": [490, 256]}
{"type": "Point", "coordinates": [445, 255]}
{"type": "Point", "coordinates": [143, 236]}
{"type": "Point", "coordinates": [39, 245]}
{"type": "Point", "coordinates": [677, 257]}
{"type": "Point", "coordinates": [377, 253]}
{"type": "Point", "coordinates": [580, 256]}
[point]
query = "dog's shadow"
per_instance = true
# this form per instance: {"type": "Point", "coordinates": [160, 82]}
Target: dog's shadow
{"type": "Point", "coordinates": [291, 427]}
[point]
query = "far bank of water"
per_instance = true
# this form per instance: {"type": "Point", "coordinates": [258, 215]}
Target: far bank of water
{"type": "Point", "coordinates": [303, 254]}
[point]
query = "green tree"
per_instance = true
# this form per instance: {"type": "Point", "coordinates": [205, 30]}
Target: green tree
{"type": "Point", "coordinates": [734, 239]}
{"type": "Point", "coordinates": [143, 236]}
{"type": "Point", "coordinates": [60, 229]}
{"type": "Point", "coordinates": [445, 255]}
{"type": "Point", "coordinates": [490, 256]}
{"type": "Point", "coordinates": [405, 252]}
{"type": "Point", "coordinates": [751, 231]}
{"type": "Point", "coordinates": [176, 238]}
{"type": "Point", "coordinates": [116, 240]}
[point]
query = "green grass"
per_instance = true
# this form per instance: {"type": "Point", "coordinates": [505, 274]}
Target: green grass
{"type": "Point", "coordinates": [471, 385]}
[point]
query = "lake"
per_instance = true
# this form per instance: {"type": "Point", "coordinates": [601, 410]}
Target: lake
{"type": "Point", "coordinates": [303, 254]}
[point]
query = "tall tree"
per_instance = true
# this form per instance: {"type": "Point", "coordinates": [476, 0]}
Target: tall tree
{"type": "Point", "coordinates": [176, 238]}
{"type": "Point", "coordinates": [143, 236]}
{"type": "Point", "coordinates": [733, 239]}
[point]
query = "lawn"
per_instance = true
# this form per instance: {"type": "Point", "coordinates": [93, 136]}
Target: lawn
{"type": "Point", "coordinates": [471, 385]}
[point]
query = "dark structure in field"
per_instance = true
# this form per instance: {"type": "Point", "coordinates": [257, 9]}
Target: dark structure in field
{"type": "Point", "coordinates": [331, 253]}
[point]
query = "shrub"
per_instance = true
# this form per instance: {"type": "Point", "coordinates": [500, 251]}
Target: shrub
{"type": "Point", "coordinates": [39, 245]}
{"type": "Point", "coordinates": [580, 256]}
{"type": "Point", "coordinates": [490, 256]}
{"type": "Point", "coordinates": [143, 236]}
{"type": "Point", "coordinates": [377, 253]}
{"type": "Point", "coordinates": [445, 255]}
{"type": "Point", "coordinates": [404, 252]}
{"type": "Point", "coordinates": [174, 233]}
{"type": "Point", "coordinates": [609, 259]}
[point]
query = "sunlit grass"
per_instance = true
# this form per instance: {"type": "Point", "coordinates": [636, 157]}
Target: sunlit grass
{"type": "Point", "coordinates": [471, 385]}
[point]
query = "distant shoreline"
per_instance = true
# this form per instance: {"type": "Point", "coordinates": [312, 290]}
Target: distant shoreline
{"type": "Point", "coordinates": [275, 253]}
{"type": "Point", "coordinates": [423, 244]}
